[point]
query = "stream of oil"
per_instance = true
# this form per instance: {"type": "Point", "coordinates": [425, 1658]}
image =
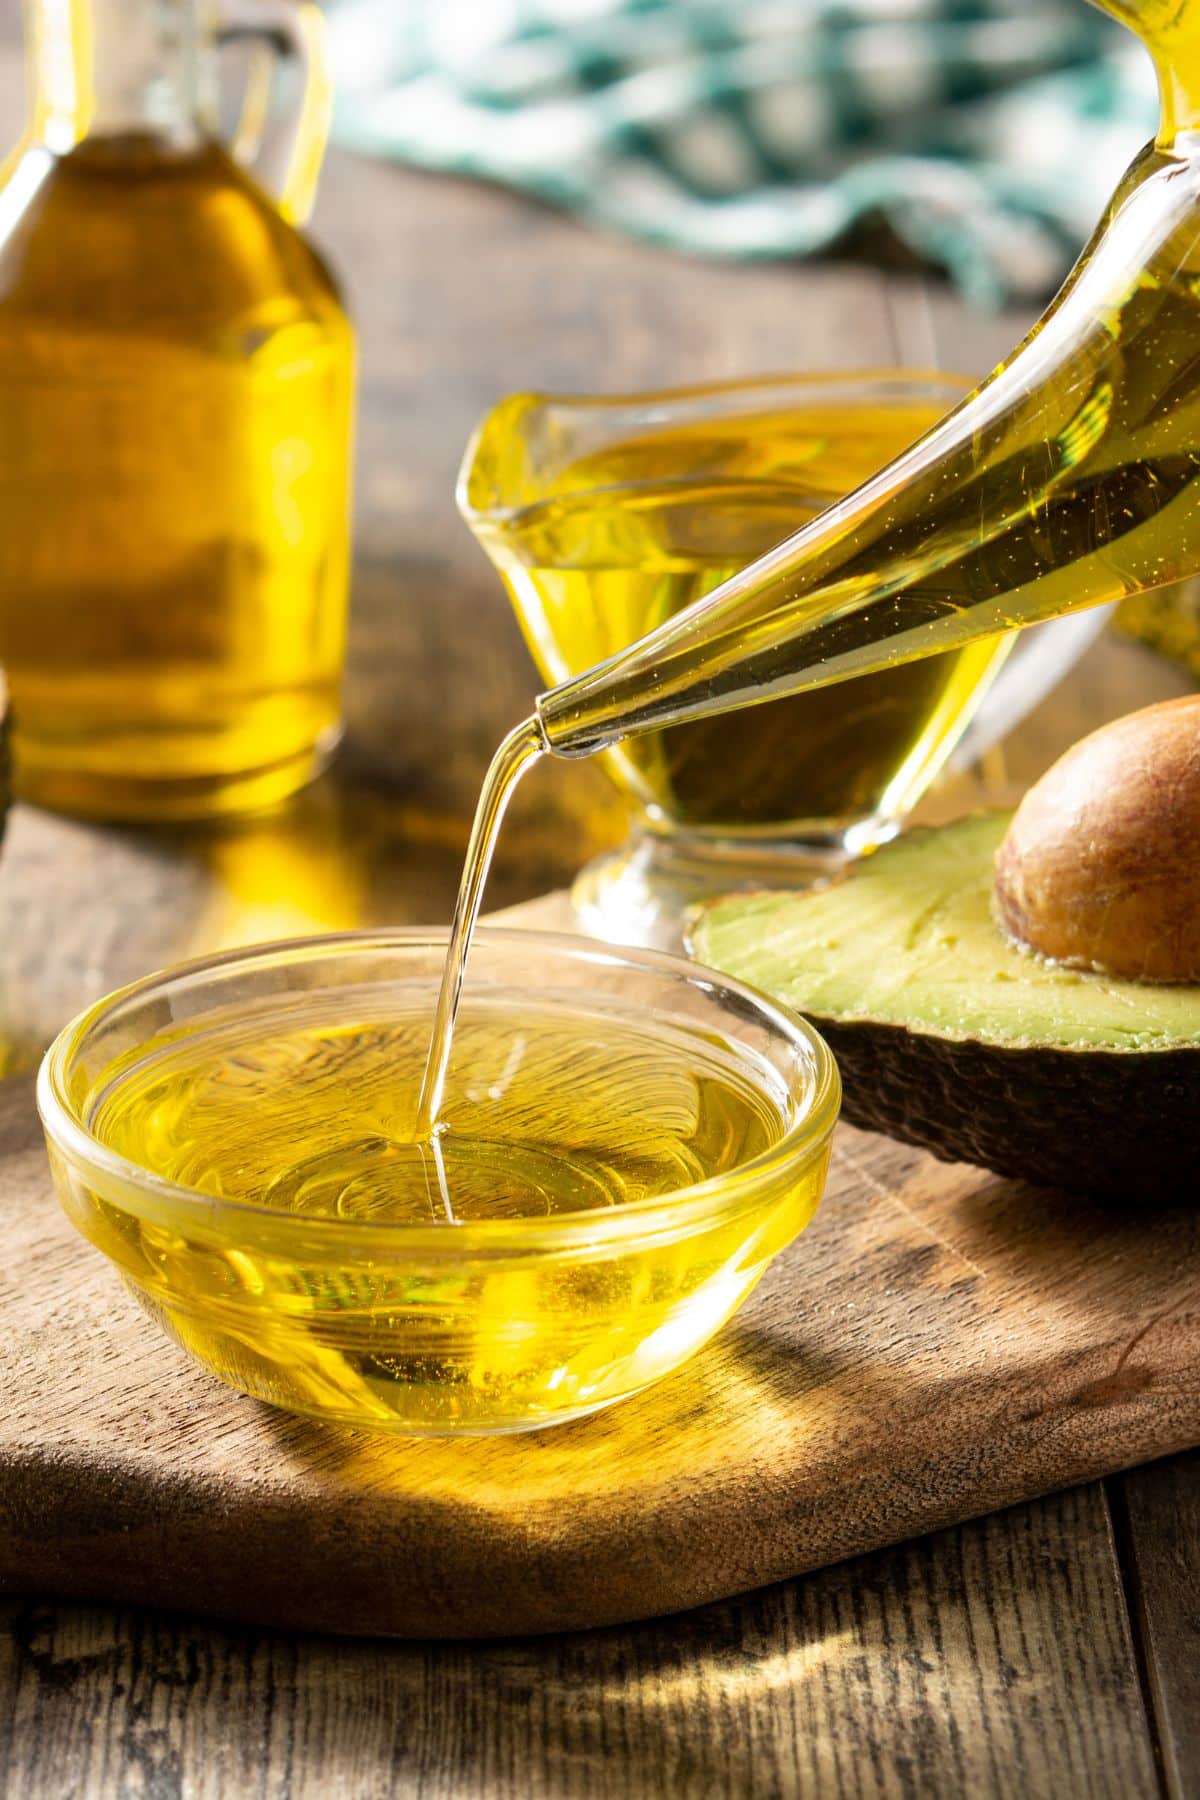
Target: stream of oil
{"type": "Point", "coordinates": [519, 749]}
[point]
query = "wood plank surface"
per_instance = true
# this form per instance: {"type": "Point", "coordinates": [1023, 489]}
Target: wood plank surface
{"type": "Point", "coordinates": [938, 1343]}
{"type": "Point", "coordinates": [1158, 1518]}
{"type": "Point", "coordinates": [989, 1660]}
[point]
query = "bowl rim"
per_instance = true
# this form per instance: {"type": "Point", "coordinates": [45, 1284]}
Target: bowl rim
{"type": "Point", "coordinates": [805, 1138]}
{"type": "Point", "coordinates": [699, 399]}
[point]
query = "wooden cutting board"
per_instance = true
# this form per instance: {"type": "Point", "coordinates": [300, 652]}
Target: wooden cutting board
{"type": "Point", "coordinates": [938, 1344]}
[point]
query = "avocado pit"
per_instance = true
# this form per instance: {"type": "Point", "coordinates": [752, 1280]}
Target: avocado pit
{"type": "Point", "coordinates": [1100, 867]}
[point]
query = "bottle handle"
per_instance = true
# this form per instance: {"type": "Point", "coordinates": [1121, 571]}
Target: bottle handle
{"type": "Point", "coordinates": [283, 36]}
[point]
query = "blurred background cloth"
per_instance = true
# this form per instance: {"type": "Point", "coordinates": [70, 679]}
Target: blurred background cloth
{"type": "Point", "coordinates": [985, 134]}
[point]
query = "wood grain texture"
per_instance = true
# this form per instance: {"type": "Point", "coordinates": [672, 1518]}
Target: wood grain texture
{"type": "Point", "coordinates": [993, 1659]}
{"type": "Point", "coordinates": [937, 1344]}
{"type": "Point", "coordinates": [1158, 1515]}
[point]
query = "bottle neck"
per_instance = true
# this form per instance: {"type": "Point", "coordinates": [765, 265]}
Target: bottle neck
{"type": "Point", "coordinates": [108, 68]}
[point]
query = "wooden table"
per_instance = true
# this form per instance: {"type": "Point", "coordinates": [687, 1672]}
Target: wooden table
{"type": "Point", "coordinates": [1049, 1651]}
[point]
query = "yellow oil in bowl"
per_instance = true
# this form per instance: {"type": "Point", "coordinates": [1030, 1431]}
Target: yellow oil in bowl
{"type": "Point", "coordinates": [626, 1141]}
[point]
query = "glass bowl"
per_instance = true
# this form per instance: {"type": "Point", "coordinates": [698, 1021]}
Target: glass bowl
{"type": "Point", "coordinates": [332, 1303]}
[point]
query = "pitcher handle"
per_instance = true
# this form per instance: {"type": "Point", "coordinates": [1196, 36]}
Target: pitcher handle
{"type": "Point", "coordinates": [283, 36]}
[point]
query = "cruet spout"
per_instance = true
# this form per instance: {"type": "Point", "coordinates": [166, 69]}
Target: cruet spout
{"type": "Point", "coordinates": [1070, 477]}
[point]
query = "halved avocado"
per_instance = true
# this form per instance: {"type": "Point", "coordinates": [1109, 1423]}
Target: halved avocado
{"type": "Point", "coordinates": [951, 1037]}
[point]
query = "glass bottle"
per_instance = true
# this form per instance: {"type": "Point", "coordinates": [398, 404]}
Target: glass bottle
{"type": "Point", "coordinates": [1070, 477]}
{"type": "Point", "coordinates": [177, 374]}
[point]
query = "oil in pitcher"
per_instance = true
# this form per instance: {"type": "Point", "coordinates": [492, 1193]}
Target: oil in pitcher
{"type": "Point", "coordinates": [174, 445]}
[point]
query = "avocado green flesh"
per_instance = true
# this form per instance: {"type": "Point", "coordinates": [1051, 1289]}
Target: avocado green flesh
{"type": "Point", "coordinates": [909, 939]}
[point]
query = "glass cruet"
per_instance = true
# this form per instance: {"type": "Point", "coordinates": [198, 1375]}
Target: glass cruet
{"type": "Point", "coordinates": [175, 441]}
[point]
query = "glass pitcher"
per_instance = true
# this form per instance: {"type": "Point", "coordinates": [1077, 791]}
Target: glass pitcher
{"type": "Point", "coordinates": [607, 517]}
{"type": "Point", "coordinates": [177, 372]}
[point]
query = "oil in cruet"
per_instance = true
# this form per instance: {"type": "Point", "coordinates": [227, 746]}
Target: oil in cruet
{"type": "Point", "coordinates": [177, 369]}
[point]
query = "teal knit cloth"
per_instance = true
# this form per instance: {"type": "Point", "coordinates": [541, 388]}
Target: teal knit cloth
{"type": "Point", "coordinates": [987, 133]}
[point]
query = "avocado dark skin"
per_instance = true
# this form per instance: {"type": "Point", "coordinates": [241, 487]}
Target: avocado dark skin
{"type": "Point", "coordinates": [952, 1038]}
{"type": "Point", "coordinates": [1113, 1122]}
